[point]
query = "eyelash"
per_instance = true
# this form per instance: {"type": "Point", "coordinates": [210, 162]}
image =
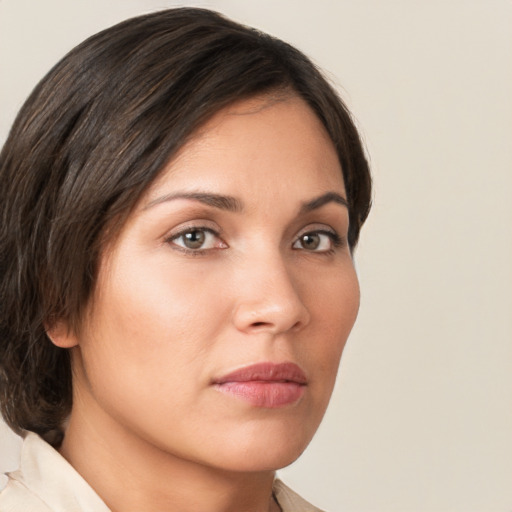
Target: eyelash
{"type": "Point", "coordinates": [336, 240]}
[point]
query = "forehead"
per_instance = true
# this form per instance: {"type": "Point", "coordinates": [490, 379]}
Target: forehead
{"type": "Point", "coordinates": [274, 142]}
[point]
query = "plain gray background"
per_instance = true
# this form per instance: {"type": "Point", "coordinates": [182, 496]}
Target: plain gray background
{"type": "Point", "coordinates": [421, 419]}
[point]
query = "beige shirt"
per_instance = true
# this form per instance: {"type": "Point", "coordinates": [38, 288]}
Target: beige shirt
{"type": "Point", "coordinates": [46, 482]}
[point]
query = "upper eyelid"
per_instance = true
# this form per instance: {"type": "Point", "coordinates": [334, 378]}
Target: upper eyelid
{"type": "Point", "coordinates": [318, 228]}
{"type": "Point", "coordinates": [192, 226]}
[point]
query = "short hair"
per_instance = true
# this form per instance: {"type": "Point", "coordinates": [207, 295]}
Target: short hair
{"type": "Point", "coordinates": [93, 135]}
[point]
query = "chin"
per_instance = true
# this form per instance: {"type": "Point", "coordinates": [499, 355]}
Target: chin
{"type": "Point", "coordinates": [249, 462]}
{"type": "Point", "coordinates": [264, 450]}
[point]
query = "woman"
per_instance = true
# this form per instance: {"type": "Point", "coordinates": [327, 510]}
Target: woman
{"type": "Point", "coordinates": [181, 196]}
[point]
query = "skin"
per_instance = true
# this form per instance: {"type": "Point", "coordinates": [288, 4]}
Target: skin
{"type": "Point", "coordinates": [166, 320]}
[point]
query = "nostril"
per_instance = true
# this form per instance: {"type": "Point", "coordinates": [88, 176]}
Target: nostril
{"type": "Point", "coordinates": [256, 325]}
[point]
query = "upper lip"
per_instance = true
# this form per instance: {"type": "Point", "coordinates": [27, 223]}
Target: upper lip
{"type": "Point", "coordinates": [266, 372]}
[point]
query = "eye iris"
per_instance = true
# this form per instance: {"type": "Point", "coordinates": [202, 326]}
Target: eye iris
{"type": "Point", "coordinates": [194, 239]}
{"type": "Point", "coordinates": [310, 241]}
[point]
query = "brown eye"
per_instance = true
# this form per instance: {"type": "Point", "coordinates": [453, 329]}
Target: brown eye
{"type": "Point", "coordinates": [197, 239]}
{"type": "Point", "coordinates": [317, 241]}
{"type": "Point", "coordinates": [310, 241]}
{"type": "Point", "coordinates": [193, 239]}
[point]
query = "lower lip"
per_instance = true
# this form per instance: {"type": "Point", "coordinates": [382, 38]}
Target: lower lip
{"type": "Point", "coordinates": [266, 394]}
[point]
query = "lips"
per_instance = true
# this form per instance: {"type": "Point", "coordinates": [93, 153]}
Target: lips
{"type": "Point", "coordinates": [266, 385]}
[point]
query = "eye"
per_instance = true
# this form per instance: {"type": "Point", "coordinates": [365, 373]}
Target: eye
{"type": "Point", "coordinates": [197, 239]}
{"type": "Point", "coordinates": [317, 241]}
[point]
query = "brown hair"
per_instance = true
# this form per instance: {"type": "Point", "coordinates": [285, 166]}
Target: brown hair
{"type": "Point", "coordinates": [90, 139]}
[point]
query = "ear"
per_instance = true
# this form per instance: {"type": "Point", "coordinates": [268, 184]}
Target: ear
{"type": "Point", "coordinates": [61, 335]}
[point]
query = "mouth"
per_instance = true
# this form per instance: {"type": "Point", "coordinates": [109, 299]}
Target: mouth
{"type": "Point", "coordinates": [265, 385]}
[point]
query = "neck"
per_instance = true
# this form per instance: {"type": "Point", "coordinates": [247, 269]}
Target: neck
{"type": "Point", "coordinates": [131, 474]}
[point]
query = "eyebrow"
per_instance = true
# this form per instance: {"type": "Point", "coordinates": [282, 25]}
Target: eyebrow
{"type": "Point", "coordinates": [232, 204]}
{"type": "Point", "coordinates": [318, 202]}
{"type": "Point", "coordinates": [222, 202]}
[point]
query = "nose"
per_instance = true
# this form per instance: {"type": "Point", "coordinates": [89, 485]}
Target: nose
{"type": "Point", "coordinates": [269, 299]}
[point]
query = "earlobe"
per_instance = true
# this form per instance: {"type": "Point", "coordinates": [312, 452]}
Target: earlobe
{"type": "Point", "coordinates": [61, 335]}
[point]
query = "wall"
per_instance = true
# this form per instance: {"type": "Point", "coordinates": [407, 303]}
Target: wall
{"type": "Point", "coordinates": [421, 419]}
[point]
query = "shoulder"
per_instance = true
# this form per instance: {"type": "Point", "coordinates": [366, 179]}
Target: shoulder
{"type": "Point", "coordinates": [290, 501]}
{"type": "Point", "coordinates": [46, 482]}
{"type": "Point", "coordinates": [15, 497]}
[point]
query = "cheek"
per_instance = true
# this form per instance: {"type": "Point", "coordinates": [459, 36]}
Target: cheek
{"type": "Point", "coordinates": [154, 317]}
{"type": "Point", "coordinates": [149, 336]}
{"type": "Point", "coordinates": [334, 307]}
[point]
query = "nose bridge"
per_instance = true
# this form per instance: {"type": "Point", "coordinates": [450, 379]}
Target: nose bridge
{"type": "Point", "coordinates": [269, 297]}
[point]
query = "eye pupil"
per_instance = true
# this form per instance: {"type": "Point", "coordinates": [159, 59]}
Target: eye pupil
{"type": "Point", "coordinates": [194, 239]}
{"type": "Point", "coordinates": [310, 241]}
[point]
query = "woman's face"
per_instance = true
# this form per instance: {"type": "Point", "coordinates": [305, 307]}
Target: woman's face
{"type": "Point", "coordinates": [221, 311]}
